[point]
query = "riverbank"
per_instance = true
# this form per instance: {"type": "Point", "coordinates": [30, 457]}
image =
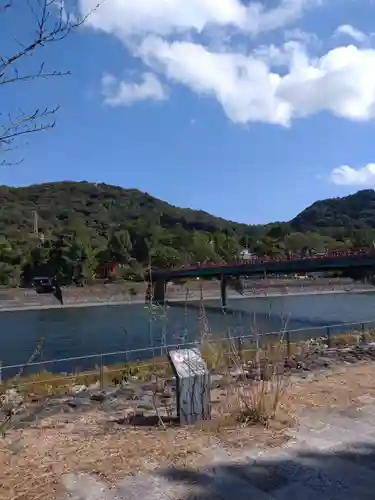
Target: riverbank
{"type": "Point", "coordinates": [134, 293]}
{"type": "Point", "coordinates": [106, 438]}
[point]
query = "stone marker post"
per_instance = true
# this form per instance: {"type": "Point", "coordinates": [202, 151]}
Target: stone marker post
{"type": "Point", "coordinates": [192, 385]}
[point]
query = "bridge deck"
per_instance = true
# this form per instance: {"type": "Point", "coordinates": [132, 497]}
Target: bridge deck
{"type": "Point", "coordinates": [259, 267]}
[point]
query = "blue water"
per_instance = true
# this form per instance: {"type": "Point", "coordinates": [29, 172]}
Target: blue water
{"type": "Point", "coordinates": [93, 330]}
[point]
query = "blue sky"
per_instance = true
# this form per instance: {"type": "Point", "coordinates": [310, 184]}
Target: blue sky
{"type": "Point", "coordinates": [250, 114]}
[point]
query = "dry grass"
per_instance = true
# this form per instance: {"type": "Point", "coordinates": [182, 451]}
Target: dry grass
{"type": "Point", "coordinates": [244, 403]}
{"type": "Point", "coordinates": [89, 443]}
{"type": "Point", "coordinates": [54, 384]}
{"type": "Point", "coordinates": [337, 391]}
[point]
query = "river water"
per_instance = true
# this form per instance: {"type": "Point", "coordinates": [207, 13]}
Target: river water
{"type": "Point", "coordinates": [74, 332]}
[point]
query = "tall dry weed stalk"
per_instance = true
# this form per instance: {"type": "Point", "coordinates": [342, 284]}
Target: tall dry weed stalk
{"type": "Point", "coordinates": [258, 401]}
{"type": "Point", "coordinates": [255, 388]}
{"type": "Point", "coordinates": [10, 398]}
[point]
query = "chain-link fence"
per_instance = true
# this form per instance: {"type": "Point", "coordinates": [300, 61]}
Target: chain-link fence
{"type": "Point", "coordinates": [149, 361]}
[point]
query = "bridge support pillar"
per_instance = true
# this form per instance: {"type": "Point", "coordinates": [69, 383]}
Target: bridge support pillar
{"type": "Point", "coordinates": [223, 291]}
{"type": "Point", "coordinates": [156, 292]}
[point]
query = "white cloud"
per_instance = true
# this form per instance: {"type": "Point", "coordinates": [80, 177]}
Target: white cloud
{"type": "Point", "coordinates": [163, 35]}
{"type": "Point", "coordinates": [121, 93]}
{"type": "Point", "coordinates": [243, 85]}
{"type": "Point", "coordinates": [342, 81]}
{"type": "Point", "coordinates": [349, 176]}
{"type": "Point", "coordinates": [304, 37]}
{"type": "Point", "coordinates": [165, 17]}
{"type": "Point", "coordinates": [350, 31]}
{"type": "Point", "coordinates": [276, 56]}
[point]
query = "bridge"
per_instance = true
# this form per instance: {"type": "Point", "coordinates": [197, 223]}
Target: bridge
{"type": "Point", "coordinates": [355, 263]}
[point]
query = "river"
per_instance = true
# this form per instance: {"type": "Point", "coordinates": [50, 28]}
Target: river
{"type": "Point", "coordinates": [74, 332]}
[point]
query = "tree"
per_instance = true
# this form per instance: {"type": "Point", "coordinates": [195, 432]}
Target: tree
{"type": "Point", "coordinates": [9, 275]}
{"type": "Point", "coordinates": [49, 22]}
{"type": "Point", "coordinates": [202, 247]}
{"type": "Point", "coordinates": [279, 231]}
{"type": "Point", "coordinates": [363, 237]}
{"type": "Point", "coordinates": [5, 250]}
{"type": "Point", "coordinates": [295, 242]}
{"type": "Point", "coordinates": [227, 247]}
{"type": "Point", "coordinates": [164, 256]}
{"type": "Point", "coordinates": [120, 247]}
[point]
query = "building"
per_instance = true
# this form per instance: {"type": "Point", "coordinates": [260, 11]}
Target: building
{"type": "Point", "coordinates": [245, 254]}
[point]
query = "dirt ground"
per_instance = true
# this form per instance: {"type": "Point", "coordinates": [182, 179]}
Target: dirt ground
{"type": "Point", "coordinates": [33, 459]}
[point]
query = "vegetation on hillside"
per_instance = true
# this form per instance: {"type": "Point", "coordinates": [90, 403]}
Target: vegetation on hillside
{"type": "Point", "coordinates": [82, 226]}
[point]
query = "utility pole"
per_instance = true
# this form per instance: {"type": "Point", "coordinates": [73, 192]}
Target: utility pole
{"type": "Point", "coordinates": [36, 228]}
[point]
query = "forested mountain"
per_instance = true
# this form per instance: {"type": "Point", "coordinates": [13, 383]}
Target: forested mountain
{"type": "Point", "coordinates": [353, 212]}
{"type": "Point", "coordinates": [100, 207]}
{"type": "Point", "coordinates": [82, 225]}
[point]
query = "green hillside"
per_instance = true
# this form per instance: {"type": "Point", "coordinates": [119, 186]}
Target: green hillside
{"type": "Point", "coordinates": [82, 225]}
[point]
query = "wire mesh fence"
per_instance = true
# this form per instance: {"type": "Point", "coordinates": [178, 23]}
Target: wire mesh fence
{"type": "Point", "coordinates": [97, 368]}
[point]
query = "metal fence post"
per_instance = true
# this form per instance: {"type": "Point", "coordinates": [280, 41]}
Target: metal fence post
{"type": "Point", "coordinates": [101, 372]}
{"type": "Point", "coordinates": [363, 336]}
{"type": "Point", "coordinates": [239, 348]}
{"type": "Point", "coordinates": [329, 339]}
{"type": "Point", "coordinates": [287, 338]}
{"type": "Point", "coordinates": [1, 372]}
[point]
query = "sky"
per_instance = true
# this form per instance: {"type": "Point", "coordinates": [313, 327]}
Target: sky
{"type": "Point", "coordinates": [250, 111]}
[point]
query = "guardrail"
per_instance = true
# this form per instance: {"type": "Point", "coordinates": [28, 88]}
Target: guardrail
{"type": "Point", "coordinates": [332, 254]}
{"type": "Point", "coordinates": [112, 362]}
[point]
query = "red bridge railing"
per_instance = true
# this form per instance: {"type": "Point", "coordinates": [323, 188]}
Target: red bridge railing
{"type": "Point", "coordinates": [336, 254]}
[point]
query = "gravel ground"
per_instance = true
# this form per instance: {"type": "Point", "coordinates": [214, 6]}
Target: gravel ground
{"type": "Point", "coordinates": [113, 433]}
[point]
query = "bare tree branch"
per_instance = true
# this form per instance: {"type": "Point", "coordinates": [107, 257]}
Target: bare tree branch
{"type": "Point", "coordinates": [5, 7]}
{"type": "Point", "coordinates": [50, 22]}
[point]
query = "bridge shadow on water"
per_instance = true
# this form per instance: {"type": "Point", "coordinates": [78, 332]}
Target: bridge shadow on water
{"type": "Point", "coordinates": [263, 322]}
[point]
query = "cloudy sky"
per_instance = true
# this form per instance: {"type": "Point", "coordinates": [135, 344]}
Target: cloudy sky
{"type": "Point", "coordinates": [248, 110]}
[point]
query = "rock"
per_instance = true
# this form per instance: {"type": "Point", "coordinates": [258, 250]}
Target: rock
{"type": "Point", "coordinates": [78, 389]}
{"type": "Point", "coordinates": [146, 406]}
{"type": "Point", "coordinates": [290, 364]}
{"type": "Point", "coordinates": [98, 396]}
{"type": "Point", "coordinates": [163, 400]}
{"type": "Point", "coordinates": [122, 417]}
{"type": "Point", "coordinates": [73, 403]}
{"type": "Point", "coordinates": [126, 393]}
{"type": "Point", "coordinates": [114, 393]}
{"type": "Point", "coordinates": [239, 373]}
{"type": "Point", "coordinates": [302, 366]}
{"type": "Point", "coordinates": [11, 398]}
{"type": "Point", "coordinates": [167, 393]}
{"type": "Point", "coordinates": [34, 398]}
{"type": "Point", "coordinates": [95, 386]}
{"type": "Point", "coordinates": [148, 393]}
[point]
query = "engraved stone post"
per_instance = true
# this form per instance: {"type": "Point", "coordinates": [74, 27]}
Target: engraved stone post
{"type": "Point", "coordinates": [193, 385]}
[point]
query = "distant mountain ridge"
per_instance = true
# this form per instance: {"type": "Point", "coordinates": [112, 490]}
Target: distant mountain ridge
{"type": "Point", "coordinates": [100, 206]}
{"type": "Point", "coordinates": [353, 212]}
{"type": "Point", "coordinates": [72, 229]}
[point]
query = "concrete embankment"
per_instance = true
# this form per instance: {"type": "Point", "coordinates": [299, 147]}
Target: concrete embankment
{"type": "Point", "coordinates": [95, 295]}
{"type": "Point", "coordinates": [127, 293]}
